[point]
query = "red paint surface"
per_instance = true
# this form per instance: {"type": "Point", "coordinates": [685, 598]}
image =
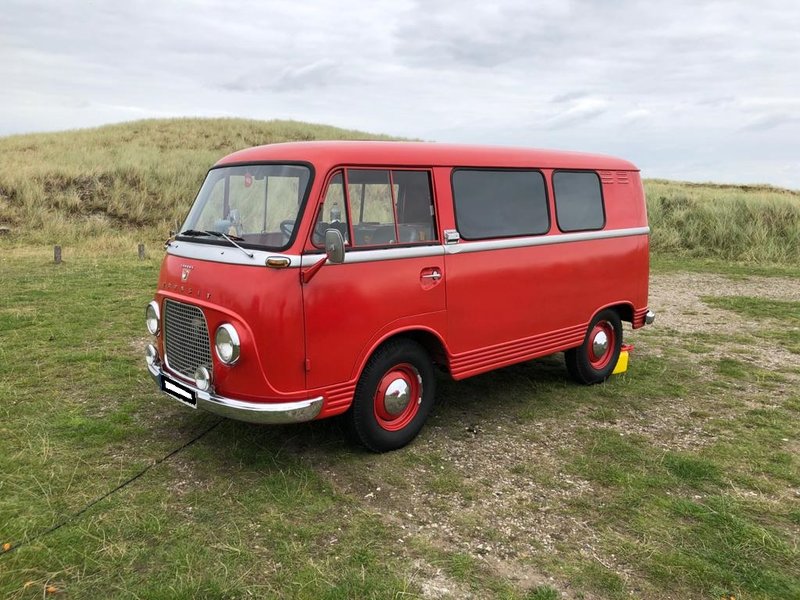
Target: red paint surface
{"type": "Point", "coordinates": [489, 309]}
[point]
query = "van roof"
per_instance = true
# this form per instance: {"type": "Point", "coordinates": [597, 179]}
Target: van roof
{"type": "Point", "coordinates": [326, 154]}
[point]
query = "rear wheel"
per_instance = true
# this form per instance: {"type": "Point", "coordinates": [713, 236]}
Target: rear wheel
{"type": "Point", "coordinates": [595, 359]}
{"type": "Point", "coordinates": [393, 397]}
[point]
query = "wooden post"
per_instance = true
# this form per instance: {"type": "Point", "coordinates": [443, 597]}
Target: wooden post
{"type": "Point", "coordinates": [57, 254]}
{"type": "Point", "coordinates": [141, 251]}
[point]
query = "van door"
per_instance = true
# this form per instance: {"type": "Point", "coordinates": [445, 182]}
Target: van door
{"type": "Point", "coordinates": [393, 275]}
{"type": "Point", "coordinates": [498, 293]}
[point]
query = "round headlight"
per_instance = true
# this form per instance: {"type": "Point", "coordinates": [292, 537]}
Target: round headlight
{"type": "Point", "coordinates": [202, 378]}
{"type": "Point", "coordinates": [226, 343]}
{"type": "Point", "coordinates": [152, 318]}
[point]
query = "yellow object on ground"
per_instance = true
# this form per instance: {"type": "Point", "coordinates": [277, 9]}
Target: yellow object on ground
{"type": "Point", "coordinates": [622, 361]}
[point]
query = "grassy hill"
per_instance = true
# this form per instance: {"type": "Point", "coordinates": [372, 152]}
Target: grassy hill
{"type": "Point", "coordinates": [751, 224]}
{"type": "Point", "coordinates": [119, 184]}
{"type": "Point", "coordinates": [112, 184]}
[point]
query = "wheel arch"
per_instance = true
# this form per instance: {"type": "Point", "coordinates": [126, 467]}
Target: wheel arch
{"type": "Point", "coordinates": [623, 309]}
{"type": "Point", "coordinates": [429, 339]}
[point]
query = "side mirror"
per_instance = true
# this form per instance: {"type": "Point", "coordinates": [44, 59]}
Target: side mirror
{"type": "Point", "coordinates": [334, 246]}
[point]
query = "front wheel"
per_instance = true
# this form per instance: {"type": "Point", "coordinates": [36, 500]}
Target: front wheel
{"type": "Point", "coordinates": [595, 359]}
{"type": "Point", "coordinates": [393, 397]}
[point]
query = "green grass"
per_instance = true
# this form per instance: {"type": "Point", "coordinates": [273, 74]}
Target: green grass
{"type": "Point", "coordinates": [298, 512]}
{"type": "Point", "coordinates": [543, 592]}
{"type": "Point", "coordinates": [758, 308]}
{"type": "Point", "coordinates": [745, 224]}
{"type": "Point", "coordinates": [681, 521]}
{"type": "Point", "coordinates": [780, 319]}
{"type": "Point", "coordinates": [662, 261]}
{"type": "Point", "coordinates": [237, 515]}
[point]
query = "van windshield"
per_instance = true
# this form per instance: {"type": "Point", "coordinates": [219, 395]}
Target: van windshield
{"type": "Point", "coordinates": [254, 205]}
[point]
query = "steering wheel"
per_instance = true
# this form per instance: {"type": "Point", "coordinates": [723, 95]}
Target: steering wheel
{"type": "Point", "coordinates": [287, 227]}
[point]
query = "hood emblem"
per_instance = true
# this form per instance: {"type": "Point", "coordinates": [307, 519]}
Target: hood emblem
{"type": "Point", "coordinates": [185, 272]}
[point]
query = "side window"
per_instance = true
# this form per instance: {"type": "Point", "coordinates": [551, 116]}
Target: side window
{"type": "Point", "coordinates": [492, 204]}
{"type": "Point", "coordinates": [390, 207]}
{"type": "Point", "coordinates": [371, 207]}
{"type": "Point", "coordinates": [579, 200]}
{"type": "Point", "coordinates": [333, 214]}
{"type": "Point", "coordinates": [414, 206]}
{"type": "Point", "coordinates": [382, 206]}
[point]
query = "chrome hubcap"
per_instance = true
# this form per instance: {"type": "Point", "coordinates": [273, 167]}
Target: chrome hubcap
{"type": "Point", "coordinates": [600, 344]}
{"type": "Point", "coordinates": [397, 396]}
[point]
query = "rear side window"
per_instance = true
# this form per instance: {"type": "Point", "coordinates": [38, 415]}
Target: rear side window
{"type": "Point", "coordinates": [491, 204]}
{"type": "Point", "coordinates": [579, 200]}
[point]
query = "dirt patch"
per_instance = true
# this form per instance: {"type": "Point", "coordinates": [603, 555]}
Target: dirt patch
{"type": "Point", "coordinates": [497, 492]}
{"type": "Point", "coordinates": [676, 298]}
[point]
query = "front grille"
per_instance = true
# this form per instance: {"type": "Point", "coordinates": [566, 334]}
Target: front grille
{"type": "Point", "coordinates": [186, 338]}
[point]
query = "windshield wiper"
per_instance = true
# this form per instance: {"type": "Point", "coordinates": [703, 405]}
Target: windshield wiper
{"type": "Point", "coordinates": [211, 232]}
{"type": "Point", "coordinates": [230, 238]}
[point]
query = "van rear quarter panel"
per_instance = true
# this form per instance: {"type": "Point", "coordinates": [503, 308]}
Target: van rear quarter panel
{"type": "Point", "coordinates": [513, 304]}
{"type": "Point", "coordinates": [623, 197]}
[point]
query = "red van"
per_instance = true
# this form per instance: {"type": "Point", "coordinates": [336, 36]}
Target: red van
{"type": "Point", "coordinates": [320, 278]}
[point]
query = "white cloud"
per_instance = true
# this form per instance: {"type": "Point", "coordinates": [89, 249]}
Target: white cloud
{"type": "Point", "coordinates": [684, 89]}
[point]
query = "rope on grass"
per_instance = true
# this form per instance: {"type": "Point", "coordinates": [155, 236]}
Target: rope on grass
{"type": "Point", "coordinates": [9, 548]}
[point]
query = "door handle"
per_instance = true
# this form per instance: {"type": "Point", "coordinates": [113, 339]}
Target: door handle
{"type": "Point", "coordinates": [432, 275]}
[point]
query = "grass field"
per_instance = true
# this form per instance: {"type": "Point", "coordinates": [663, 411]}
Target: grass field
{"type": "Point", "coordinates": [679, 479]}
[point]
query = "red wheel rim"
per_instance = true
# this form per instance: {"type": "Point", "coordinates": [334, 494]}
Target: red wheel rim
{"type": "Point", "coordinates": [602, 341]}
{"type": "Point", "coordinates": [398, 397]}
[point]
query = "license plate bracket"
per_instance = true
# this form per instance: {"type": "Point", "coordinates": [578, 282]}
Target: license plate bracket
{"type": "Point", "coordinates": [179, 391]}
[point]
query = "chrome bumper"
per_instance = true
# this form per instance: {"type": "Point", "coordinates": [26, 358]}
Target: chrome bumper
{"type": "Point", "coordinates": [252, 412]}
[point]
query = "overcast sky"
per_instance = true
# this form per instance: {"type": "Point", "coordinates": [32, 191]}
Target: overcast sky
{"type": "Point", "coordinates": [706, 91]}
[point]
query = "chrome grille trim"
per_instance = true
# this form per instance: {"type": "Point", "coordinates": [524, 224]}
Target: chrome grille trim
{"type": "Point", "coordinates": [186, 342]}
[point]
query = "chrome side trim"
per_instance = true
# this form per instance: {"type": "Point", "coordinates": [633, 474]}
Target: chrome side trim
{"type": "Point", "coordinates": [543, 240]}
{"type": "Point", "coordinates": [227, 254]}
{"type": "Point", "coordinates": [252, 412]}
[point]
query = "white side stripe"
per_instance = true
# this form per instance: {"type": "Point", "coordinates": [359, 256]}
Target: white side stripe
{"type": "Point", "coordinates": [226, 254]}
{"type": "Point", "coordinates": [543, 240]}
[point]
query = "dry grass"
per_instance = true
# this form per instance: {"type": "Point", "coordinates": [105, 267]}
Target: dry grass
{"type": "Point", "coordinates": [110, 187]}
{"type": "Point", "coordinates": [750, 224]}
{"type": "Point", "coordinates": [114, 185]}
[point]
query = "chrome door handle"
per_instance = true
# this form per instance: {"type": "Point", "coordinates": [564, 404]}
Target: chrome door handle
{"type": "Point", "coordinates": [433, 275]}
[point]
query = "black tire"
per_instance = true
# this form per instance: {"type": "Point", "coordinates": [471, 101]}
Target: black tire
{"type": "Point", "coordinates": [406, 365]}
{"type": "Point", "coordinates": [587, 366]}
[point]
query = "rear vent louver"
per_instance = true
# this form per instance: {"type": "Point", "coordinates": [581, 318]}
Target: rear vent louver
{"type": "Point", "coordinates": [610, 177]}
